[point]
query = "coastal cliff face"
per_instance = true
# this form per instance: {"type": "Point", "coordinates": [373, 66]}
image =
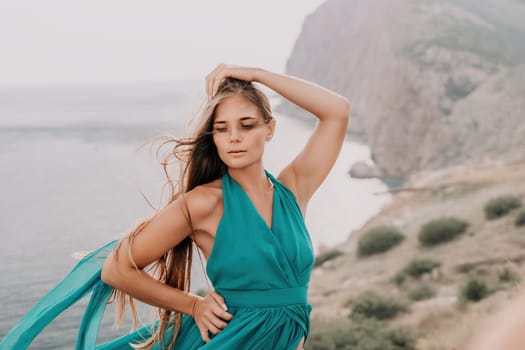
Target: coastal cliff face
{"type": "Point", "coordinates": [433, 83]}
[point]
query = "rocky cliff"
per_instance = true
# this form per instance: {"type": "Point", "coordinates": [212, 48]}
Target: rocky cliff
{"type": "Point", "coordinates": [433, 83]}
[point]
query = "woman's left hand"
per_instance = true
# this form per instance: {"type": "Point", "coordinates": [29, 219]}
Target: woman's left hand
{"type": "Point", "coordinates": [223, 71]}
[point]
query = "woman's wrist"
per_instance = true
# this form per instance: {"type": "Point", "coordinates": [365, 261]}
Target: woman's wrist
{"type": "Point", "coordinates": [259, 74]}
{"type": "Point", "coordinates": [195, 301]}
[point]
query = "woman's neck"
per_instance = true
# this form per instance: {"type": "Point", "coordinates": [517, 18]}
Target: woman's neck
{"type": "Point", "coordinates": [252, 179]}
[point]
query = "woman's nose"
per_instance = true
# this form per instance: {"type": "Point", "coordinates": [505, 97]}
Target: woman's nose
{"type": "Point", "coordinates": [235, 135]}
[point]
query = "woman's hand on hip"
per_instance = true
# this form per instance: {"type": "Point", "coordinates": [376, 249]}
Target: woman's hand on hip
{"type": "Point", "coordinates": [210, 314]}
{"type": "Point", "coordinates": [223, 71]}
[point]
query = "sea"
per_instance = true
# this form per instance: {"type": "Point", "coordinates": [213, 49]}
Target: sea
{"type": "Point", "coordinates": [74, 170]}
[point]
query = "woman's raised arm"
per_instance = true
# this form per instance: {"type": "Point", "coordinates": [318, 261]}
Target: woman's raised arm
{"type": "Point", "coordinates": [310, 167]}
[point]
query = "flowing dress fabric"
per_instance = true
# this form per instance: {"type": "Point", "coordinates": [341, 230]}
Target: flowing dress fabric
{"type": "Point", "coordinates": [262, 272]}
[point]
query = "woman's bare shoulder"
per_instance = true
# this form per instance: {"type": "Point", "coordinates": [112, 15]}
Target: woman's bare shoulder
{"type": "Point", "coordinates": [205, 199]}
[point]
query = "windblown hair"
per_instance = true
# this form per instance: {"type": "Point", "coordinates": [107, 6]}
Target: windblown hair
{"type": "Point", "coordinates": [199, 163]}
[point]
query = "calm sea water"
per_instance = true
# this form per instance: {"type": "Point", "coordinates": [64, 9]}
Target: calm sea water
{"type": "Point", "coordinates": [71, 178]}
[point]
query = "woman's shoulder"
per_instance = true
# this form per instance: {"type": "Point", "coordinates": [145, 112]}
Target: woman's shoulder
{"type": "Point", "coordinates": [205, 199]}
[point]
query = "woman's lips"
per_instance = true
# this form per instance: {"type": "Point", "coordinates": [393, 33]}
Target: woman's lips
{"type": "Point", "coordinates": [237, 153]}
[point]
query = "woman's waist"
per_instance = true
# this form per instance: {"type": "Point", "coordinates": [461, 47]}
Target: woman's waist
{"type": "Point", "coordinates": [272, 297]}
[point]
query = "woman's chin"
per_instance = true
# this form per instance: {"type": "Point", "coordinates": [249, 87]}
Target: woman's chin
{"type": "Point", "coordinates": [239, 163]}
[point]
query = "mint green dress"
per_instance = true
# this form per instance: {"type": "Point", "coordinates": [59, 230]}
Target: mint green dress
{"type": "Point", "coordinates": [262, 272]}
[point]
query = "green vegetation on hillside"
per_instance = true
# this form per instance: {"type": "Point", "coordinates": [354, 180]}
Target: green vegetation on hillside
{"type": "Point", "coordinates": [372, 305]}
{"type": "Point", "coordinates": [326, 256]}
{"type": "Point", "coordinates": [358, 334]}
{"type": "Point", "coordinates": [421, 292]}
{"type": "Point", "coordinates": [419, 266]}
{"type": "Point", "coordinates": [441, 230]}
{"type": "Point", "coordinates": [475, 288]}
{"type": "Point", "coordinates": [379, 239]}
{"type": "Point", "coordinates": [501, 206]}
{"type": "Point", "coordinates": [520, 218]}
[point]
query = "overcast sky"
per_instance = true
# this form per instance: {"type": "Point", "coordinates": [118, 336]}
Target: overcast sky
{"type": "Point", "coordinates": [57, 41]}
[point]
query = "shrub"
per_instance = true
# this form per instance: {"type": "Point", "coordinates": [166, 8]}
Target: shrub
{"type": "Point", "coordinates": [500, 206]}
{"type": "Point", "coordinates": [474, 289]}
{"type": "Point", "coordinates": [328, 255]}
{"type": "Point", "coordinates": [441, 230]}
{"type": "Point", "coordinates": [418, 267]}
{"type": "Point", "coordinates": [379, 240]}
{"type": "Point", "coordinates": [371, 305]}
{"type": "Point", "coordinates": [507, 276]}
{"type": "Point", "coordinates": [399, 278]}
{"type": "Point", "coordinates": [520, 218]}
{"type": "Point", "coordinates": [360, 334]}
{"type": "Point", "coordinates": [421, 292]}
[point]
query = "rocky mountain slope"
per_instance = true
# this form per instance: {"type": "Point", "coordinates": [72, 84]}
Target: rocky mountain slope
{"type": "Point", "coordinates": [432, 83]}
{"type": "Point", "coordinates": [491, 248]}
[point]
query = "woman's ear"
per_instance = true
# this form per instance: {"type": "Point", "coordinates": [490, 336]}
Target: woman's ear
{"type": "Point", "coordinates": [271, 129]}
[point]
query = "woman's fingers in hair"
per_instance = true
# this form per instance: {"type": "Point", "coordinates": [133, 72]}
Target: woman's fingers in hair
{"type": "Point", "coordinates": [223, 71]}
{"type": "Point", "coordinates": [213, 79]}
{"type": "Point", "coordinates": [221, 75]}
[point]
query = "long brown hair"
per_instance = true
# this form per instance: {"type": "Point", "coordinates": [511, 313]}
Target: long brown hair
{"type": "Point", "coordinates": [199, 163]}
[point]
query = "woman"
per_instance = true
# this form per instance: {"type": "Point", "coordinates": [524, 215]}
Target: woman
{"type": "Point", "coordinates": [248, 223]}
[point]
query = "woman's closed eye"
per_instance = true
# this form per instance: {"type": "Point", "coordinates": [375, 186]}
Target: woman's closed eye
{"type": "Point", "coordinates": [244, 126]}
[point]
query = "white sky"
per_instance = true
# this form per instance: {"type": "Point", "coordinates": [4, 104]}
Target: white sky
{"type": "Point", "coordinates": [60, 41]}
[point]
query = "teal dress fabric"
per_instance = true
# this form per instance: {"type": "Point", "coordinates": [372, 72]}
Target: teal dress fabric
{"type": "Point", "coordinates": [262, 272]}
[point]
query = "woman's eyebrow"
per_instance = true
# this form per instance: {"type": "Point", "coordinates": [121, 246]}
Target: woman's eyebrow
{"type": "Point", "coordinates": [241, 119]}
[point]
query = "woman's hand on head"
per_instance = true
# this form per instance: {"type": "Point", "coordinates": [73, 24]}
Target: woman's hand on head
{"type": "Point", "coordinates": [210, 315]}
{"type": "Point", "coordinates": [223, 71]}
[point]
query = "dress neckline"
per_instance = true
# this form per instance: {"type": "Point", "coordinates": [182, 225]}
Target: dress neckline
{"type": "Point", "coordinates": [254, 208]}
